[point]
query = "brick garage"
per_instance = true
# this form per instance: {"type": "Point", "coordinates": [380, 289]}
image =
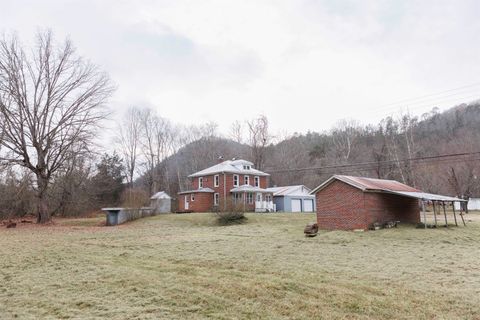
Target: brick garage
{"type": "Point", "coordinates": [348, 203]}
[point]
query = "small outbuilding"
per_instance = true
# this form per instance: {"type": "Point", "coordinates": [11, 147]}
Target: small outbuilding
{"type": "Point", "coordinates": [161, 202]}
{"type": "Point", "coordinates": [347, 203]}
{"type": "Point", "coordinates": [293, 199]}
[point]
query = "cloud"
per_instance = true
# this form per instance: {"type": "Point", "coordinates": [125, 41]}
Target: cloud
{"type": "Point", "coordinates": [305, 64]}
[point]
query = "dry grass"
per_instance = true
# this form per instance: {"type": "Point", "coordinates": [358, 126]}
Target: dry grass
{"type": "Point", "coordinates": [183, 266]}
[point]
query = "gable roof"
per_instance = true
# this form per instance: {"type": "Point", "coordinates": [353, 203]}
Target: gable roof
{"type": "Point", "coordinates": [299, 190]}
{"type": "Point", "coordinates": [160, 195]}
{"type": "Point", "coordinates": [386, 186]}
{"type": "Point", "coordinates": [230, 166]}
{"type": "Point", "coordinates": [368, 184]}
{"type": "Point", "coordinates": [199, 190]}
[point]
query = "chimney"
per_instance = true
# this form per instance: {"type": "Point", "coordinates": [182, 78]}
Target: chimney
{"type": "Point", "coordinates": [220, 159]}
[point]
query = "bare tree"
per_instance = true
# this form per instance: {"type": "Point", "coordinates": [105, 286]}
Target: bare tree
{"type": "Point", "coordinates": [258, 138]}
{"type": "Point", "coordinates": [236, 131]}
{"type": "Point", "coordinates": [129, 141]}
{"type": "Point", "coordinates": [344, 137]}
{"type": "Point", "coordinates": [156, 143]}
{"type": "Point", "coordinates": [51, 102]}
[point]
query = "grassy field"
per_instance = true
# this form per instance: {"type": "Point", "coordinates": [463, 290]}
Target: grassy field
{"type": "Point", "coordinates": [184, 266]}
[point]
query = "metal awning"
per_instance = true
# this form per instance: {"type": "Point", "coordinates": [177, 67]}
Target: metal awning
{"type": "Point", "coordinates": [249, 188]}
{"type": "Point", "coordinates": [427, 196]}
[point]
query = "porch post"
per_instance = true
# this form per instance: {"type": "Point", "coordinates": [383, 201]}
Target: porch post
{"type": "Point", "coordinates": [244, 201]}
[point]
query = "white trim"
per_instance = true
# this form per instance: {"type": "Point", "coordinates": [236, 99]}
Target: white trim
{"type": "Point", "coordinates": [216, 180]}
{"type": "Point", "coordinates": [200, 182]}
{"type": "Point", "coordinates": [192, 197]}
{"type": "Point", "coordinates": [237, 197]}
{"type": "Point", "coordinates": [249, 199]}
{"type": "Point", "coordinates": [256, 180]}
{"type": "Point", "coordinates": [246, 179]}
{"type": "Point", "coordinates": [238, 180]}
{"type": "Point", "coordinates": [216, 199]}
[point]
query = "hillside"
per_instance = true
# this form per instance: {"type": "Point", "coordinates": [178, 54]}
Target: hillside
{"type": "Point", "coordinates": [378, 148]}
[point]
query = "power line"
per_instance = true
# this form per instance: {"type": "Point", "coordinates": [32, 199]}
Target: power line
{"type": "Point", "coordinates": [377, 163]}
{"type": "Point", "coordinates": [430, 95]}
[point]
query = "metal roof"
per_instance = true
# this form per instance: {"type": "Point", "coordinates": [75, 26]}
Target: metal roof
{"type": "Point", "coordinates": [249, 188]}
{"type": "Point", "coordinates": [299, 190]}
{"type": "Point", "coordinates": [385, 186]}
{"type": "Point", "coordinates": [428, 196]}
{"type": "Point", "coordinates": [206, 190]}
{"type": "Point", "coordinates": [368, 184]}
{"type": "Point", "coordinates": [229, 166]}
{"type": "Point", "coordinates": [160, 195]}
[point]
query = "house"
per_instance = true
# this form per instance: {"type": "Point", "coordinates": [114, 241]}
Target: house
{"type": "Point", "coordinates": [293, 199]}
{"type": "Point", "coordinates": [347, 203]}
{"type": "Point", "coordinates": [231, 183]}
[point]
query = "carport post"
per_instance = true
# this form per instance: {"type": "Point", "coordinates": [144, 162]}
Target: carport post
{"type": "Point", "coordinates": [424, 214]}
{"type": "Point", "coordinates": [434, 213]}
{"type": "Point", "coordinates": [454, 214]}
{"type": "Point", "coordinates": [445, 214]}
{"type": "Point", "coordinates": [461, 215]}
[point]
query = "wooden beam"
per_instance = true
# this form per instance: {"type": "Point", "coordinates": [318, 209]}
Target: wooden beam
{"type": "Point", "coordinates": [461, 215]}
{"type": "Point", "coordinates": [434, 213]}
{"type": "Point", "coordinates": [424, 214]}
{"type": "Point", "coordinates": [445, 214]}
{"type": "Point", "coordinates": [454, 214]}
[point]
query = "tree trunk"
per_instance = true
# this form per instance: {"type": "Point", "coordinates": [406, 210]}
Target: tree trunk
{"type": "Point", "coordinates": [43, 215]}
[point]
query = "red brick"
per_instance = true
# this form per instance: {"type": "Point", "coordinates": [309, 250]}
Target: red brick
{"type": "Point", "coordinates": [341, 206]}
{"type": "Point", "coordinates": [205, 200]}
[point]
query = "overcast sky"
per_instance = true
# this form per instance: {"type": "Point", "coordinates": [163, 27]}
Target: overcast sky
{"type": "Point", "coordinates": [304, 64]}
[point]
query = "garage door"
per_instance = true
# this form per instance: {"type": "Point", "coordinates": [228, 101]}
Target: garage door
{"type": "Point", "coordinates": [308, 205]}
{"type": "Point", "coordinates": [296, 205]}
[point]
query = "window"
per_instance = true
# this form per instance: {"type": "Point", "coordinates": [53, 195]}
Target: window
{"type": "Point", "coordinates": [200, 182]}
{"type": "Point", "coordinates": [257, 181]}
{"type": "Point", "coordinates": [216, 199]}
{"type": "Point", "coordinates": [235, 180]}
{"type": "Point", "coordinates": [246, 167]}
{"type": "Point", "coordinates": [237, 198]}
{"type": "Point", "coordinates": [259, 197]}
{"type": "Point", "coordinates": [268, 198]}
{"type": "Point", "coordinates": [192, 197]}
{"type": "Point", "coordinates": [249, 198]}
{"type": "Point", "coordinates": [246, 179]}
{"type": "Point", "coordinates": [216, 180]}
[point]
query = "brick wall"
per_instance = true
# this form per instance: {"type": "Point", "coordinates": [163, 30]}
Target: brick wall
{"type": "Point", "coordinates": [341, 206]}
{"type": "Point", "coordinates": [209, 182]}
{"type": "Point", "coordinates": [203, 202]}
{"type": "Point", "coordinates": [382, 207]}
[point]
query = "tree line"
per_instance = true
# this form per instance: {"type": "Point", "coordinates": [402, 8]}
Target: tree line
{"type": "Point", "coordinates": [53, 103]}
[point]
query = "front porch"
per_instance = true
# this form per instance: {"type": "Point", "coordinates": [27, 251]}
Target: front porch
{"type": "Point", "coordinates": [253, 198]}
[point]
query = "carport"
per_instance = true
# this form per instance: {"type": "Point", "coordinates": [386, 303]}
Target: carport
{"type": "Point", "coordinates": [438, 202]}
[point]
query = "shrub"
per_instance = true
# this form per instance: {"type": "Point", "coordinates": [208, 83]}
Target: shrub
{"type": "Point", "coordinates": [134, 198]}
{"type": "Point", "coordinates": [232, 215]}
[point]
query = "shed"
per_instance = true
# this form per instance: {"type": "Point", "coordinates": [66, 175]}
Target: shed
{"type": "Point", "coordinates": [161, 202]}
{"type": "Point", "coordinates": [347, 203]}
{"type": "Point", "coordinates": [293, 199]}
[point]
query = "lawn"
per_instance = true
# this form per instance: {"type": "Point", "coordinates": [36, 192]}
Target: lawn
{"type": "Point", "coordinates": [184, 266]}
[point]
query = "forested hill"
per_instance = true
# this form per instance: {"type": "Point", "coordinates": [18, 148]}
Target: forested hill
{"type": "Point", "coordinates": [374, 150]}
